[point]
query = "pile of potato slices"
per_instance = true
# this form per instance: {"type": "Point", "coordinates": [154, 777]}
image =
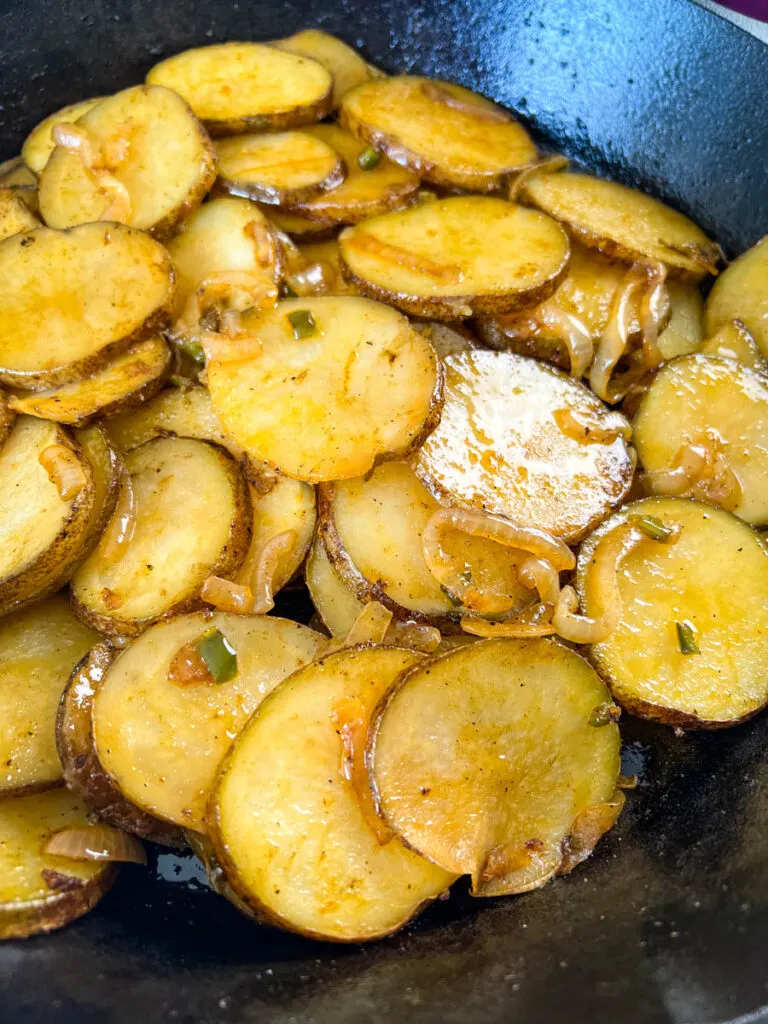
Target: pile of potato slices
{"type": "Point", "coordinates": [272, 321]}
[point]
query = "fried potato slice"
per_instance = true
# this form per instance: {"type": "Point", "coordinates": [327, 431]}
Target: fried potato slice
{"type": "Point", "coordinates": [485, 760]}
{"type": "Point", "coordinates": [39, 144]}
{"type": "Point", "coordinates": [624, 223]}
{"type": "Point", "coordinates": [364, 193]}
{"type": "Point", "coordinates": [72, 300]}
{"type": "Point", "coordinates": [14, 173]}
{"type": "Point", "coordinates": [361, 385]}
{"type": "Point", "coordinates": [733, 341]}
{"type": "Point", "coordinates": [192, 520]}
{"type": "Point", "coordinates": [161, 739]}
{"type": "Point", "coordinates": [499, 447]}
{"type": "Point", "coordinates": [15, 215]}
{"type": "Point", "coordinates": [685, 329]}
{"type": "Point", "coordinates": [107, 468]}
{"type": "Point", "coordinates": [291, 819]}
{"type": "Point", "coordinates": [710, 401]}
{"type": "Point", "coordinates": [300, 229]}
{"type": "Point", "coordinates": [40, 892]}
{"type": "Point", "coordinates": [327, 255]}
{"type": "Point", "coordinates": [279, 168]}
{"type": "Point", "coordinates": [125, 382]}
{"type": "Point", "coordinates": [7, 418]}
{"type": "Point", "coordinates": [43, 535]}
{"type": "Point", "coordinates": [435, 260]}
{"type": "Point", "coordinates": [444, 133]}
{"type": "Point", "coordinates": [149, 141]}
{"type": "Point", "coordinates": [705, 592]}
{"type": "Point", "coordinates": [346, 66]}
{"type": "Point", "coordinates": [741, 293]}
{"type": "Point", "coordinates": [446, 339]}
{"type": "Point", "coordinates": [39, 647]}
{"type": "Point", "coordinates": [246, 87]}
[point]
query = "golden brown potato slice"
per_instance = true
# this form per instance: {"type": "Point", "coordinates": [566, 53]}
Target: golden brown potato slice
{"type": "Point", "coordinates": [487, 761]}
{"type": "Point", "coordinates": [300, 229]}
{"type": "Point", "coordinates": [291, 818]}
{"type": "Point", "coordinates": [107, 468]}
{"type": "Point", "coordinates": [340, 383]}
{"type": "Point", "coordinates": [45, 510]}
{"type": "Point", "coordinates": [83, 772]}
{"type": "Point", "coordinates": [741, 293]}
{"type": "Point", "coordinates": [160, 736]}
{"type": "Point", "coordinates": [246, 87]}
{"type": "Point", "coordinates": [125, 382]}
{"type": "Point", "coordinates": [38, 891]}
{"type": "Point", "coordinates": [442, 132]}
{"type": "Point", "coordinates": [145, 139]}
{"type": "Point", "coordinates": [39, 647]}
{"type": "Point", "coordinates": [690, 648]}
{"type": "Point", "coordinates": [624, 223]}
{"type": "Point", "coordinates": [183, 515]}
{"type": "Point", "coordinates": [373, 184]}
{"type": "Point", "coordinates": [733, 341]}
{"type": "Point", "coordinates": [71, 300]}
{"type": "Point", "coordinates": [7, 418]}
{"type": "Point", "coordinates": [280, 168]}
{"type": "Point", "coordinates": [39, 144]}
{"type": "Point", "coordinates": [435, 259]}
{"type": "Point", "coordinates": [721, 406]}
{"type": "Point", "coordinates": [15, 215]}
{"type": "Point", "coordinates": [346, 66]}
{"type": "Point", "coordinates": [500, 447]}
{"type": "Point", "coordinates": [326, 255]}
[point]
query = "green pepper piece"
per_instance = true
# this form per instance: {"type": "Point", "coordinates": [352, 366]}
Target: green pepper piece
{"type": "Point", "coordinates": [654, 528]}
{"type": "Point", "coordinates": [219, 655]}
{"type": "Point", "coordinates": [686, 637]}
{"type": "Point", "coordinates": [303, 323]}
{"type": "Point", "coordinates": [368, 159]}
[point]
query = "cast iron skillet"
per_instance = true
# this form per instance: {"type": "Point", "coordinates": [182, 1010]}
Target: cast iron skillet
{"type": "Point", "coordinates": [669, 921]}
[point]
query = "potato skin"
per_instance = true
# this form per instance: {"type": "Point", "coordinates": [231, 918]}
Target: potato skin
{"type": "Point", "coordinates": [173, 220]}
{"type": "Point", "coordinates": [280, 120]}
{"type": "Point", "coordinates": [41, 916]}
{"type": "Point", "coordinates": [83, 772]}
{"type": "Point", "coordinates": [7, 416]}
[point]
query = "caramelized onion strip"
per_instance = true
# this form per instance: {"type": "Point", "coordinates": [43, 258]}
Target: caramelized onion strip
{"type": "Point", "coordinates": [653, 302]}
{"type": "Point", "coordinates": [96, 842]}
{"type": "Point", "coordinates": [78, 142]}
{"type": "Point", "coordinates": [64, 469]}
{"type": "Point", "coordinates": [122, 526]}
{"type": "Point", "coordinates": [263, 582]}
{"type": "Point", "coordinates": [227, 596]}
{"type": "Point", "coordinates": [615, 338]}
{"type": "Point", "coordinates": [574, 335]}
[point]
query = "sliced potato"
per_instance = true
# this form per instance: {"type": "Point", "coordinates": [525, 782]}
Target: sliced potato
{"type": "Point", "coordinates": [733, 341]}
{"type": "Point", "coordinates": [280, 168]}
{"type": "Point", "coordinates": [711, 581]}
{"type": "Point", "coordinates": [301, 229]}
{"type": "Point", "coordinates": [162, 157]}
{"type": "Point", "coordinates": [346, 66]}
{"type": "Point", "coordinates": [192, 520]}
{"type": "Point", "coordinates": [741, 292]}
{"type": "Point", "coordinates": [446, 339]}
{"type": "Point", "coordinates": [442, 132]}
{"type": "Point", "coordinates": [40, 892]}
{"type": "Point", "coordinates": [7, 418]}
{"type": "Point", "coordinates": [15, 215]}
{"type": "Point", "coordinates": [125, 382]}
{"type": "Point", "coordinates": [245, 87]}
{"type": "Point", "coordinates": [361, 386]}
{"type": "Point", "coordinates": [80, 764]}
{"type": "Point", "coordinates": [435, 259]}
{"type": "Point", "coordinates": [161, 740]}
{"type": "Point", "coordinates": [71, 300]}
{"type": "Point", "coordinates": [363, 193]}
{"type": "Point", "coordinates": [14, 173]}
{"type": "Point", "coordinates": [485, 760]}
{"type": "Point", "coordinates": [685, 330]}
{"type": "Point", "coordinates": [327, 255]}
{"type": "Point", "coordinates": [290, 817]}
{"type": "Point", "coordinates": [107, 468]}
{"type": "Point", "coordinates": [624, 223]}
{"type": "Point", "coordinates": [499, 447]}
{"type": "Point", "coordinates": [696, 397]}
{"type": "Point", "coordinates": [39, 144]}
{"type": "Point", "coordinates": [42, 536]}
{"type": "Point", "coordinates": [39, 647]}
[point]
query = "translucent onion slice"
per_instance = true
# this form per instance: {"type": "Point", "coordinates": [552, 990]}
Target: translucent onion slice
{"type": "Point", "coordinates": [77, 141]}
{"type": "Point", "coordinates": [370, 627]}
{"type": "Point", "coordinates": [227, 596]}
{"type": "Point", "coordinates": [351, 721]}
{"type": "Point", "coordinates": [262, 585]}
{"type": "Point", "coordinates": [699, 471]}
{"type": "Point", "coordinates": [122, 526]}
{"type": "Point", "coordinates": [96, 842]}
{"type": "Point", "coordinates": [589, 429]}
{"type": "Point", "coordinates": [654, 302]}
{"type": "Point", "coordinates": [64, 469]}
{"type": "Point", "coordinates": [572, 332]}
{"type": "Point", "coordinates": [529, 623]}
{"type": "Point", "coordinates": [615, 338]}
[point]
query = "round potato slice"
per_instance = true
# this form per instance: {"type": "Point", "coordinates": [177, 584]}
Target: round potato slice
{"type": "Point", "coordinates": [500, 446]}
{"type": "Point", "coordinates": [733, 341]}
{"type": "Point", "coordinates": [7, 418]}
{"type": "Point", "coordinates": [487, 761]}
{"type": "Point", "coordinates": [39, 647]}
{"type": "Point", "coordinates": [161, 738]}
{"type": "Point", "coordinates": [301, 229]}
{"type": "Point", "coordinates": [741, 293]}
{"type": "Point", "coordinates": [291, 818]}
{"type": "Point", "coordinates": [434, 259]}
{"type": "Point", "coordinates": [192, 520]}
{"type": "Point", "coordinates": [40, 892]}
{"type": "Point", "coordinates": [245, 87]}
{"type": "Point", "coordinates": [71, 300]}
{"type": "Point", "coordinates": [39, 144]}
{"type": "Point", "coordinates": [326, 399]}
{"type": "Point", "coordinates": [107, 468]}
{"type": "Point", "coordinates": [624, 223]}
{"type": "Point", "coordinates": [149, 141]}
{"type": "Point", "coordinates": [44, 529]}
{"type": "Point", "coordinates": [125, 382]}
{"type": "Point", "coordinates": [280, 169]}
{"type": "Point", "coordinates": [708, 400]}
{"type": "Point", "coordinates": [346, 66]}
{"type": "Point", "coordinates": [446, 339]}
{"type": "Point", "coordinates": [685, 330]}
{"type": "Point", "coordinates": [15, 215]}
{"type": "Point", "coordinates": [690, 647]}
{"type": "Point", "coordinates": [366, 191]}
{"type": "Point", "coordinates": [14, 173]}
{"type": "Point", "coordinates": [442, 132]}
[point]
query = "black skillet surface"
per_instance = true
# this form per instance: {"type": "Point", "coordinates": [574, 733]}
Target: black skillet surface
{"type": "Point", "coordinates": [669, 921]}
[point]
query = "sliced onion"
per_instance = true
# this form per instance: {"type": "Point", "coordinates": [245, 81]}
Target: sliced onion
{"type": "Point", "coordinates": [96, 842]}
{"type": "Point", "coordinates": [76, 140]}
{"type": "Point", "coordinates": [572, 332]}
{"type": "Point", "coordinates": [653, 302]}
{"type": "Point", "coordinates": [442, 273]}
{"type": "Point", "coordinates": [699, 471]}
{"type": "Point", "coordinates": [539, 574]}
{"type": "Point", "coordinates": [438, 94]}
{"type": "Point", "coordinates": [118, 206]}
{"type": "Point", "coordinates": [291, 254]}
{"type": "Point", "coordinates": [615, 337]}
{"type": "Point", "coordinates": [95, 161]}
{"type": "Point", "coordinates": [536, 624]}
{"type": "Point", "coordinates": [415, 635]}
{"type": "Point", "coordinates": [227, 596]}
{"type": "Point", "coordinates": [545, 165]}
{"type": "Point", "coordinates": [350, 720]}
{"type": "Point", "coordinates": [689, 465]}
{"type": "Point", "coordinates": [122, 526]}
{"type": "Point", "coordinates": [318, 278]}
{"type": "Point", "coordinates": [263, 581]}
{"type": "Point", "coordinates": [370, 627]}
{"type": "Point", "coordinates": [264, 243]}
{"type": "Point", "coordinates": [587, 429]}
{"type": "Point", "coordinates": [64, 469]}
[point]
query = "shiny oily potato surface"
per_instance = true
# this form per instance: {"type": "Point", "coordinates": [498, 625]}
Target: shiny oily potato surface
{"type": "Point", "coordinates": [741, 292]}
